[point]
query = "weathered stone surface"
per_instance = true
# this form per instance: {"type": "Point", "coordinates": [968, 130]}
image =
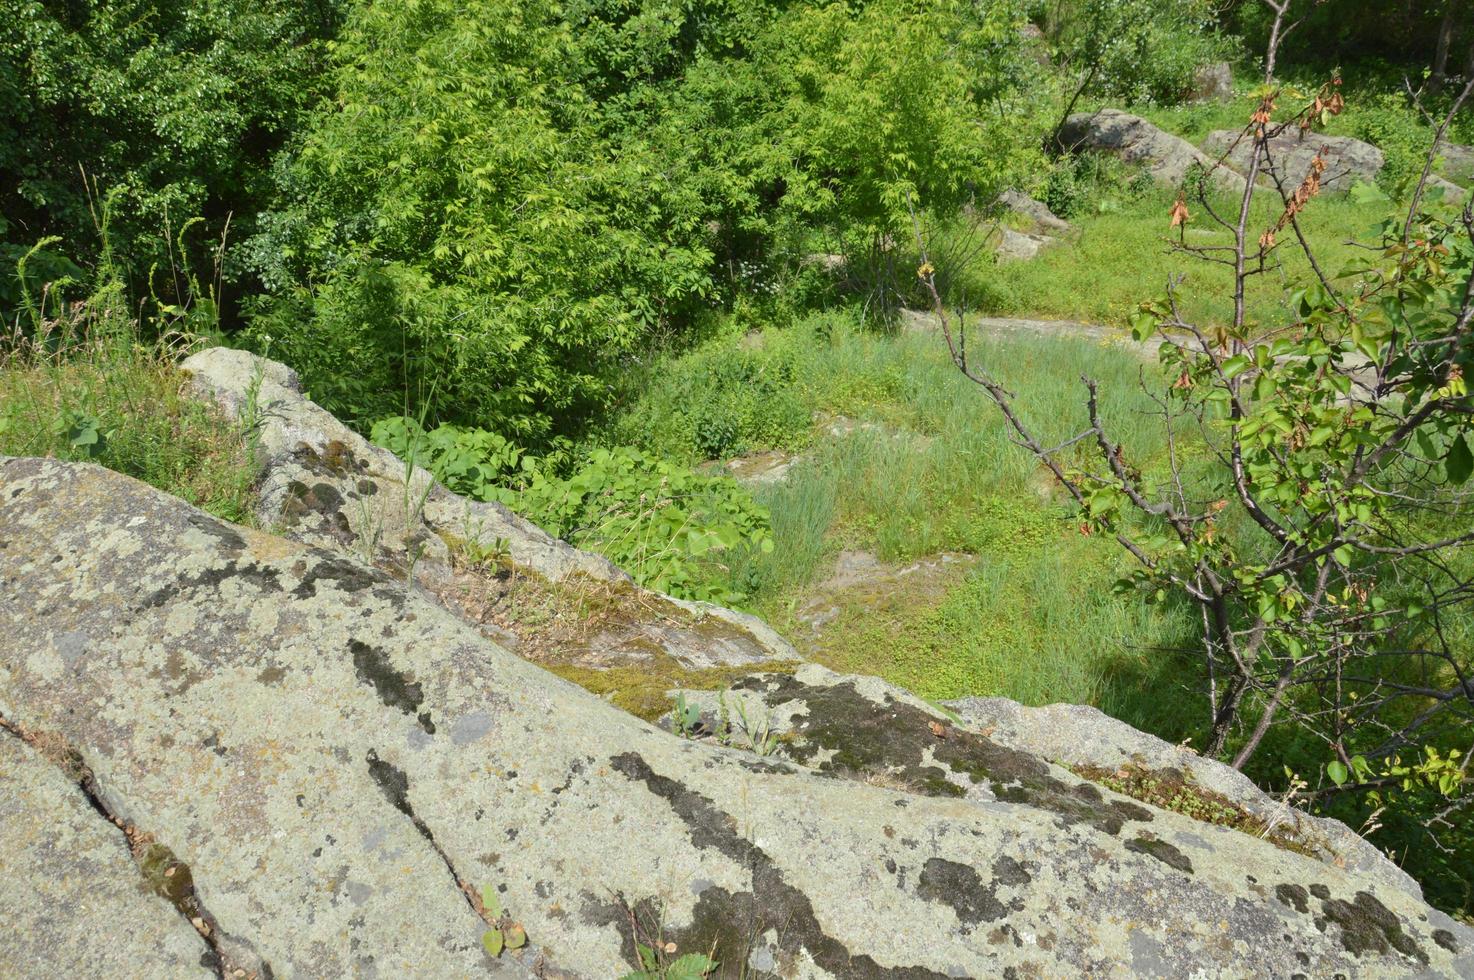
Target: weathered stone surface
{"type": "Point", "coordinates": [334, 756]}
{"type": "Point", "coordinates": [323, 484]}
{"type": "Point", "coordinates": [1213, 82]}
{"type": "Point", "coordinates": [1020, 246]}
{"type": "Point", "coordinates": [1347, 160]}
{"type": "Point", "coordinates": [1082, 736]}
{"type": "Point", "coordinates": [72, 900]}
{"type": "Point", "coordinates": [1452, 193]}
{"type": "Point", "coordinates": [1456, 162]}
{"type": "Point", "coordinates": [1166, 157]}
{"type": "Point", "coordinates": [1044, 219]}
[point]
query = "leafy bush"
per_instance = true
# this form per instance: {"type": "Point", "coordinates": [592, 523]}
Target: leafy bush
{"type": "Point", "coordinates": [718, 401]}
{"type": "Point", "coordinates": [162, 107]}
{"type": "Point", "coordinates": [472, 462]}
{"type": "Point", "coordinates": [1393, 126]}
{"type": "Point", "coordinates": [1136, 50]}
{"type": "Point", "coordinates": [663, 523]}
{"type": "Point", "coordinates": [505, 200]}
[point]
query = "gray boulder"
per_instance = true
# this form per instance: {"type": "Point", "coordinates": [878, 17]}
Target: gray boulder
{"type": "Point", "coordinates": [1347, 160]}
{"type": "Point", "coordinates": [341, 765]}
{"type": "Point", "coordinates": [1457, 162]}
{"type": "Point", "coordinates": [1085, 739]}
{"type": "Point", "coordinates": [1452, 193]}
{"type": "Point", "coordinates": [1213, 82]}
{"type": "Point", "coordinates": [323, 484]}
{"type": "Point", "coordinates": [1020, 246]}
{"type": "Point", "coordinates": [1166, 157]}
{"type": "Point", "coordinates": [1045, 220]}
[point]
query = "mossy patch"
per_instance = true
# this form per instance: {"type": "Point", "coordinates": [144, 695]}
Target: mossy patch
{"type": "Point", "coordinates": [1175, 790]}
{"type": "Point", "coordinates": [642, 688]}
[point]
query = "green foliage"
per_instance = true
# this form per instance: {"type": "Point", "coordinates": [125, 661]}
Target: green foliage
{"type": "Point", "coordinates": [504, 201]}
{"type": "Point", "coordinates": [719, 400]}
{"type": "Point", "coordinates": [504, 934]}
{"type": "Point", "coordinates": [654, 966]}
{"type": "Point", "coordinates": [163, 107]}
{"type": "Point", "coordinates": [1136, 50]}
{"type": "Point", "coordinates": [94, 393]}
{"type": "Point", "coordinates": [1391, 125]}
{"type": "Point", "coordinates": [665, 524]}
{"type": "Point", "coordinates": [472, 462]}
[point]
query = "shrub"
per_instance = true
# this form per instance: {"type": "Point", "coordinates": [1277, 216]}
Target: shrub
{"type": "Point", "coordinates": [663, 523]}
{"type": "Point", "coordinates": [504, 201]}
{"type": "Point", "coordinates": [166, 107]}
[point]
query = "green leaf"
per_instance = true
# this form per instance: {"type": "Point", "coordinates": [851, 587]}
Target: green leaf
{"type": "Point", "coordinates": [1337, 771]}
{"type": "Point", "coordinates": [492, 940]}
{"type": "Point", "coordinates": [692, 966]}
{"type": "Point", "coordinates": [491, 901]}
{"type": "Point", "coordinates": [516, 936]}
{"type": "Point", "coordinates": [1459, 462]}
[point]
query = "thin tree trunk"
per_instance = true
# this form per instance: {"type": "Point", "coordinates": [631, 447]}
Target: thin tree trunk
{"type": "Point", "coordinates": [1439, 73]}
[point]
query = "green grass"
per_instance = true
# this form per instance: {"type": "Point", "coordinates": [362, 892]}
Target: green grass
{"type": "Point", "coordinates": [134, 393]}
{"type": "Point", "coordinates": [1122, 256]}
{"type": "Point", "coordinates": [1036, 619]}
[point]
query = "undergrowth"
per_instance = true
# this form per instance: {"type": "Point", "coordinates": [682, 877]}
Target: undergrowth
{"type": "Point", "coordinates": [90, 388]}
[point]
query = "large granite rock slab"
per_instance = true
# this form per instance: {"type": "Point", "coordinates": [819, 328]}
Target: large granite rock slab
{"type": "Point", "coordinates": [343, 765]}
{"type": "Point", "coordinates": [1169, 159]}
{"type": "Point", "coordinates": [1347, 160]}
{"type": "Point", "coordinates": [72, 899]}
{"type": "Point", "coordinates": [323, 484]}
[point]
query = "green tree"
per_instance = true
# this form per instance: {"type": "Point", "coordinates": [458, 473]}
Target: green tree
{"type": "Point", "coordinates": [144, 108]}
{"type": "Point", "coordinates": [503, 201]}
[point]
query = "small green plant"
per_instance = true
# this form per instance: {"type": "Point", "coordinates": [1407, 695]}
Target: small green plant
{"type": "Point", "coordinates": [665, 524]}
{"type": "Point", "coordinates": [761, 738]}
{"type": "Point", "coordinates": [686, 718]}
{"type": "Point", "coordinates": [654, 966]}
{"type": "Point", "coordinates": [504, 933]}
{"type": "Point", "coordinates": [83, 433]}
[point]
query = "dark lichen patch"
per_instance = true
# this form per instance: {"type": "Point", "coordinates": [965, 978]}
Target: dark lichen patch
{"type": "Point", "coordinates": [1294, 896]}
{"type": "Point", "coordinates": [262, 578]}
{"type": "Point", "coordinates": [1445, 939]}
{"type": "Point", "coordinates": [1175, 790]}
{"type": "Point", "coordinates": [848, 734]}
{"type": "Point", "coordinates": [271, 675]}
{"type": "Point", "coordinates": [962, 889]}
{"type": "Point", "coordinates": [346, 575]}
{"type": "Point", "coordinates": [335, 460]}
{"type": "Point", "coordinates": [394, 688]}
{"type": "Point", "coordinates": [394, 784]}
{"type": "Point", "coordinates": [1162, 851]}
{"type": "Point", "coordinates": [301, 500]}
{"type": "Point", "coordinates": [1368, 926]}
{"type": "Point", "coordinates": [729, 920]}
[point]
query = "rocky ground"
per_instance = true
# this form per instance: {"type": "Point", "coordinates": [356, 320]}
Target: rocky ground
{"type": "Point", "coordinates": [241, 753]}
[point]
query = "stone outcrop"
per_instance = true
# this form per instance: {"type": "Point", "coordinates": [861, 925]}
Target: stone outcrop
{"type": "Point", "coordinates": [323, 484]}
{"type": "Point", "coordinates": [74, 902]}
{"type": "Point", "coordinates": [1456, 162]}
{"type": "Point", "coordinates": [334, 767]}
{"type": "Point", "coordinates": [1347, 160]}
{"type": "Point", "coordinates": [1213, 82]}
{"type": "Point", "coordinates": [1167, 158]}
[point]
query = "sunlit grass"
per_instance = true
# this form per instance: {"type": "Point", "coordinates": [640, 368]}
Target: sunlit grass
{"type": "Point", "coordinates": [100, 372]}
